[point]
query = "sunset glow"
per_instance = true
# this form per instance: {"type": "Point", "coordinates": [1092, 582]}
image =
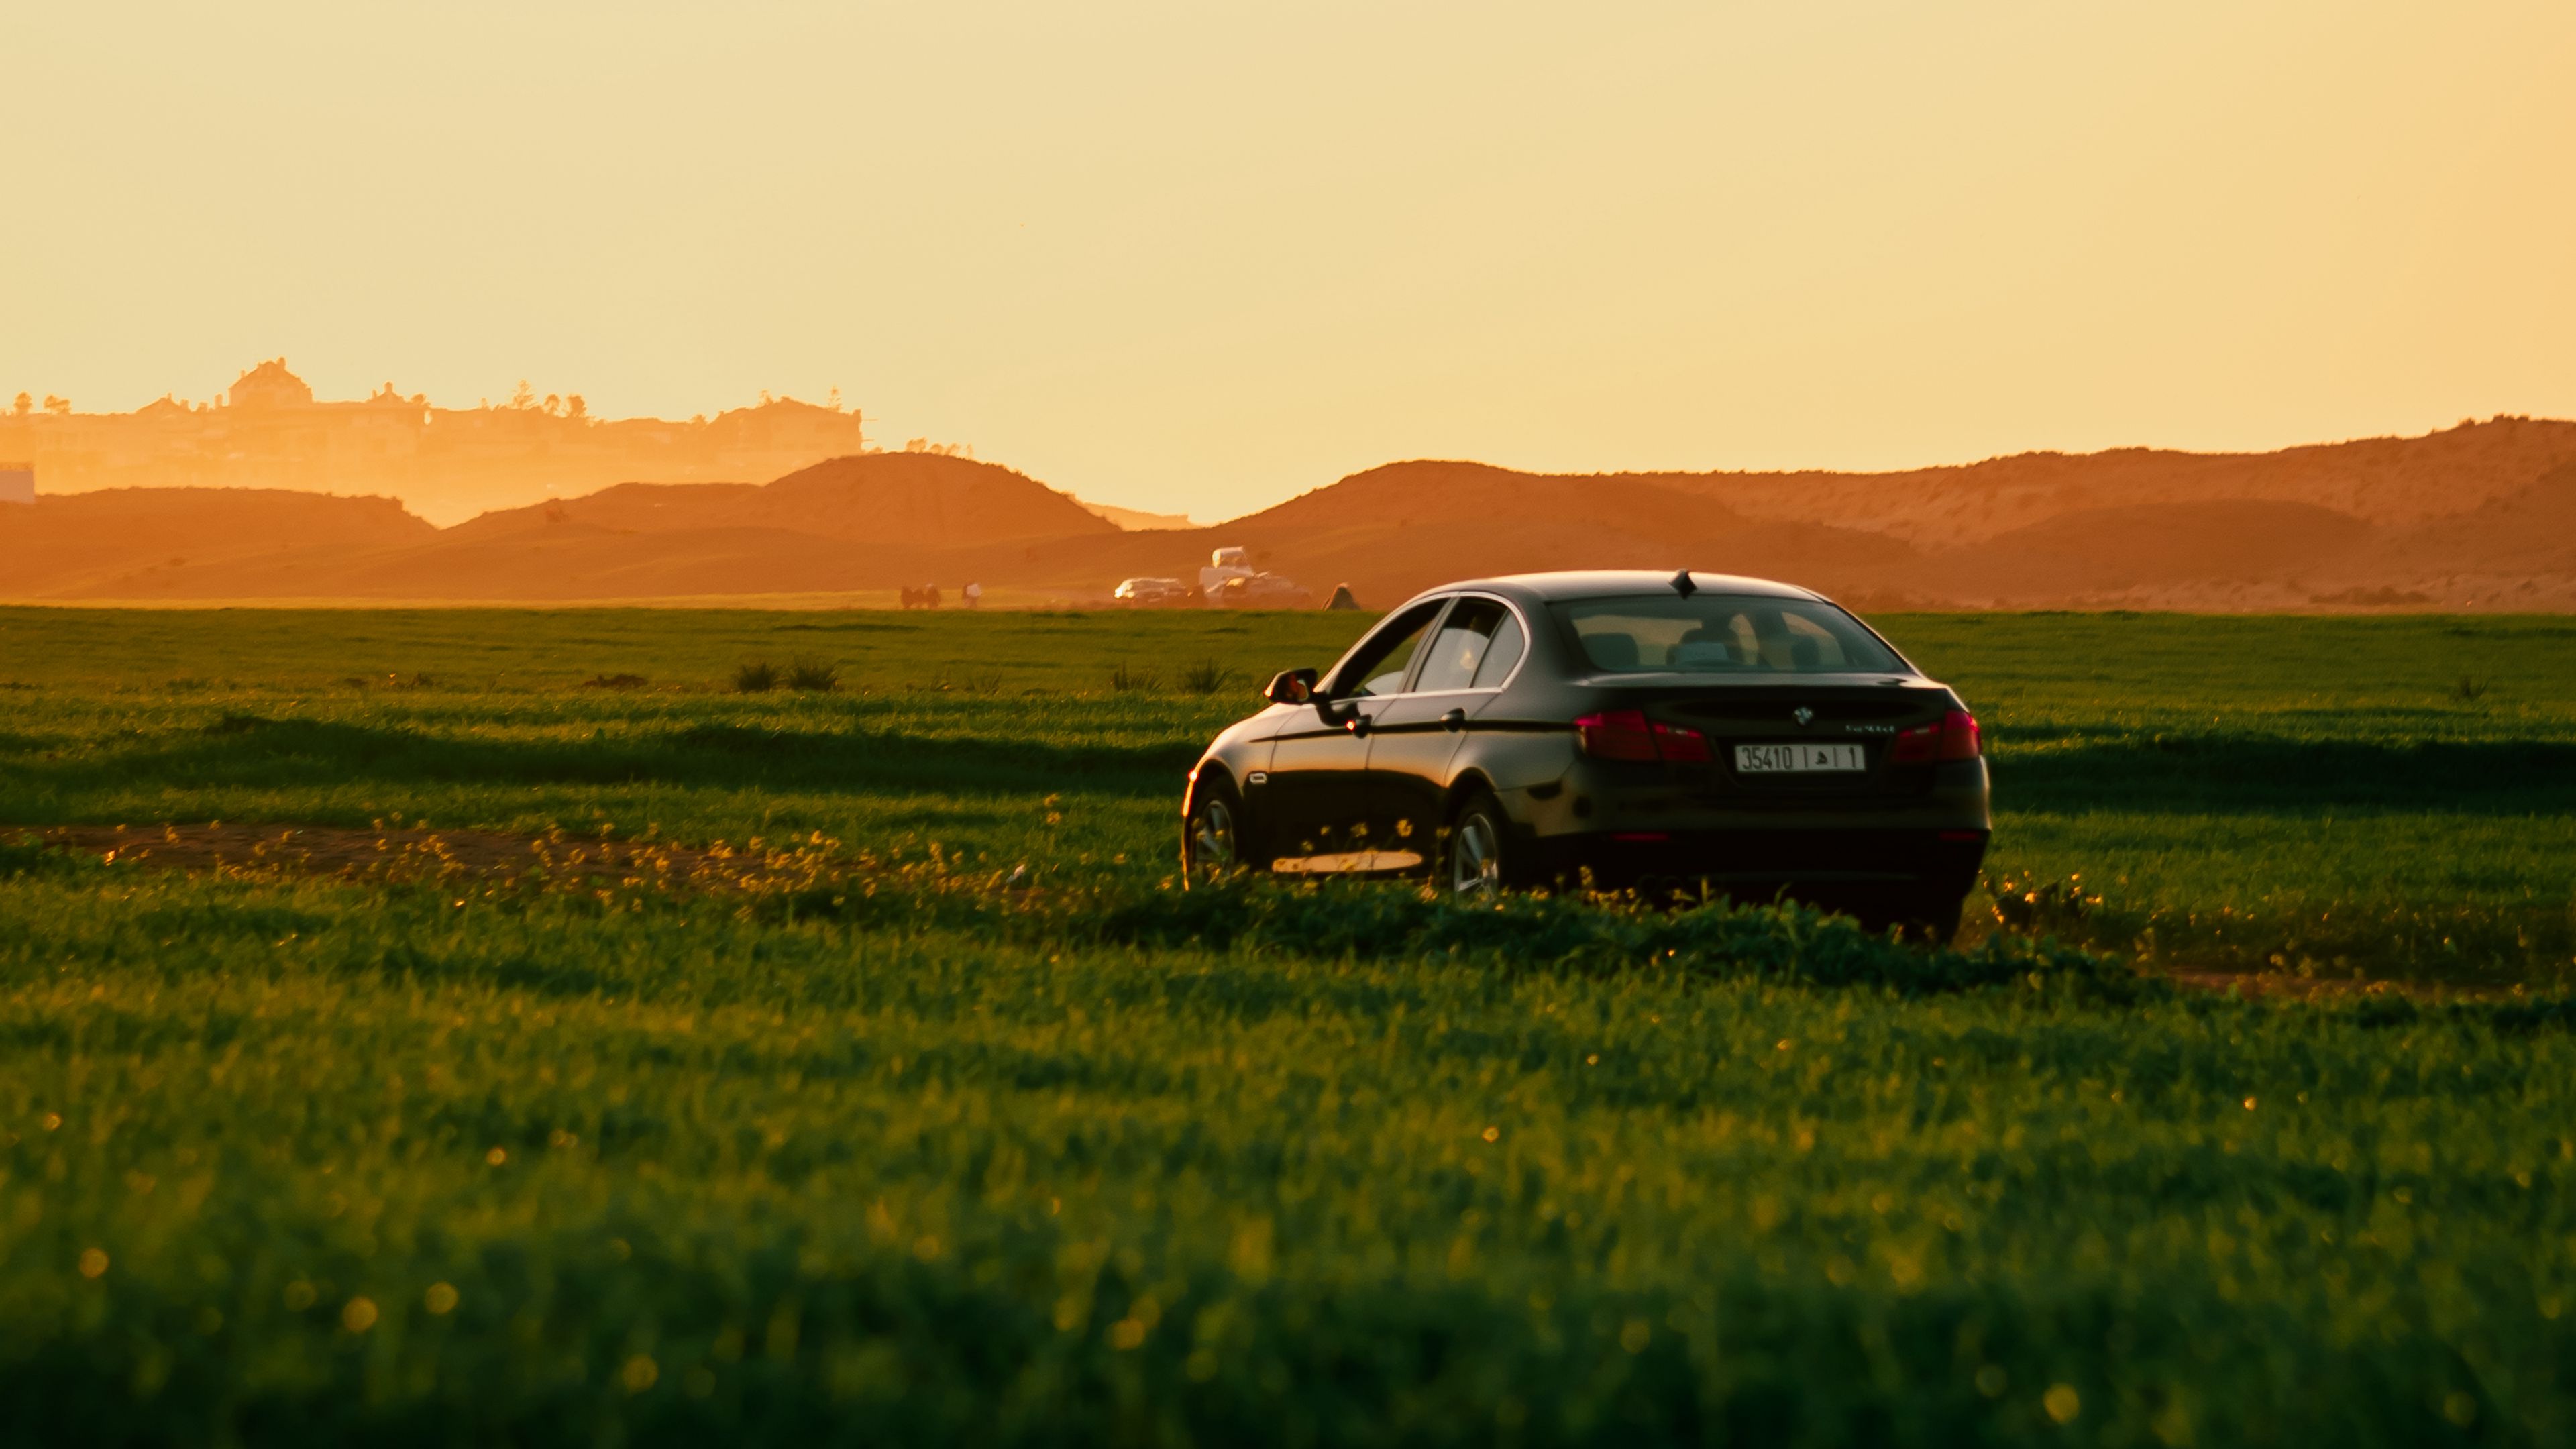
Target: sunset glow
{"type": "Point", "coordinates": [1202, 258]}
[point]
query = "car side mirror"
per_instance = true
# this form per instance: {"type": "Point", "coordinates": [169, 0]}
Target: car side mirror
{"type": "Point", "coordinates": [1293, 686]}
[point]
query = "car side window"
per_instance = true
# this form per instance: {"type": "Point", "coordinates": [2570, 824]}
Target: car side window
{"type": "Point", "coordinates": [1383, 660]}
{"type": "Point", "coordinates": [1460, 646]}
{"type": "Point", "coordinates": [1501, 655]}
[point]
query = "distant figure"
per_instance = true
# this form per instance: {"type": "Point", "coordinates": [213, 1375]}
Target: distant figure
{"type": "Point", "coordinates": [930, 596]}
{"type": "Point", "coordinates": [973, 593]}
{"type": "Point", "coordinates": [1342, 598]}
{"type": "Point", "coordinates": [911, 597]}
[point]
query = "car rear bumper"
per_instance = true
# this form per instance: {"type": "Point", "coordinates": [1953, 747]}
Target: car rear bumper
{"type": "Point", "coordinates": [1627, 826]}
{"type": "Point", "coordinates": [1593, 798]}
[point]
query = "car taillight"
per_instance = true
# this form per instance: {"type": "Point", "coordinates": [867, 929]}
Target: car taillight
{"type": "Point", "coordinates": [1960, 737]}
{"type": "Point", "coordinates": [1954, 738]}
{"type": "Point", "coordinates": [1681, 743]}
{"type": "Point", "coordinates": [1624, 734]}
{"type": "Point", "coordinates": [1618, 734]}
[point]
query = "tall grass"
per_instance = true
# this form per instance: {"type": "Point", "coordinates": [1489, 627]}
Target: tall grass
{"type": "Point", "coordinates": [806, 673]}
{"type": "Point", "coordinates": [1210, 676]}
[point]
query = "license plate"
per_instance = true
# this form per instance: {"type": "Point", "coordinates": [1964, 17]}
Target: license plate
{"type": "Point", "coordinates": [1797, 759]}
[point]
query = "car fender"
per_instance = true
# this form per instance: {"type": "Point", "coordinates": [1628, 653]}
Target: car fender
{"type": "Point", "coordinates": [1241, 762]}
{"type": "Point", "coordinates": [1464, 783]}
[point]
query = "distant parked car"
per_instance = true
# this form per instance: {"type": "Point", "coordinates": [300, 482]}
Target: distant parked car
{"type": "Point", "coordinates": [1262, 591]}
{"type": "Point", "coordinates": [1615, 728]}
{"type": "Point", "coordinates": [1225, 565]}
{"type": "Point", "coordinates": [1151, 593]}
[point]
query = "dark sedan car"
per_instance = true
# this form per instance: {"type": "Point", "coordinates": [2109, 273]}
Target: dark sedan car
{"type": "Point", "coordinates": [1615, 729]}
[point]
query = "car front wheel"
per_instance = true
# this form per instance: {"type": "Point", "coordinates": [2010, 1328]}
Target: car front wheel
{"type": "Point", "coordinates": [1212, 844]}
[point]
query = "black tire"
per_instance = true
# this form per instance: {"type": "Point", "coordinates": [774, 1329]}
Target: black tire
{"type": "Point", "coordinates": [1928, 916]}
{"type": "Point", "coordinates": [1214, 840]}
{"type": "Point", "coordinates": [1479, 859]}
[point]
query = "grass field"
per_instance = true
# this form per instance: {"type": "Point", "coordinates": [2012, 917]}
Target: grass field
{"type": "Point", "coordinates": [863, 1148]}
{"type": "Point", "coordinates": [2389, 797]}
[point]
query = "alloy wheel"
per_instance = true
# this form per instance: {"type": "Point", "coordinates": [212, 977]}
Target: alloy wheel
{"type": "Point", "coordinates": [1475, 857]}
{"type": "Point", "coordinates": [1212, 838]}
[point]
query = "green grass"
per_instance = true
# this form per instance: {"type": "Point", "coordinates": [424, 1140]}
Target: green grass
{"type": "Point", "coordinates": [2286, 792]}
{"type": "Point", "coordinates": [2290, 793]}
{"type": "Point", "coordinates": [871, 1151]}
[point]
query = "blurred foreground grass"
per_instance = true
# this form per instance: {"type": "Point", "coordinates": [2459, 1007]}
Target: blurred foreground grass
{"type": "Point", "coordinates": [304, 1162]}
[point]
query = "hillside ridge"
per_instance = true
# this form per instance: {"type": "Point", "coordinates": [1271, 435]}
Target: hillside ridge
{"type": "Point", "coordinates": [2475, 516]}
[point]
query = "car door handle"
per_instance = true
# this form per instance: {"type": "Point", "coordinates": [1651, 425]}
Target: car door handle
{"type": "Point", "coordinates": [1454, 721]}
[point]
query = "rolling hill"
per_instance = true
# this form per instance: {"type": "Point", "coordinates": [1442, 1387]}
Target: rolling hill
{"type": "Point", "coordinates": [904, 500]}
{"type": "Point", "coordinates": [2395, 483]}
{"type": "Point", "coordinates": [163, 542]}
{"type": "Point", "coordinates": [2474, 516]}
{"type": "Point", "coordinates": [869, 522]}
{"type": "Point", "coordinates": [1393, 530]}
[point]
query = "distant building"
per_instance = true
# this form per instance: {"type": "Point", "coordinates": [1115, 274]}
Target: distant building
{"type": "Point", "coordinates": [270, 385]}
{"type": "Point", "coordinates": [17, 482]}
{"type": "Point", "coordinates": [270, 432]}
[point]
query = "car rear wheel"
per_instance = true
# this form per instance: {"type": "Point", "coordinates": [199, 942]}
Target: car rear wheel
{"type": "Point", "coordinates": [1928, 916]}
{"type": "Point", "coordinates": [1478, 861]}
{"type": "Point", "coordinates": [1212, 843]}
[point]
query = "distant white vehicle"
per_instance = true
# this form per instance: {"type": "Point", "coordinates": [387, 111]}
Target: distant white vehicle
{"type": "Point", "coordinates": [1224, 565]}
{"type": "Point", "coordinates": [1262, 591]}
{"type": "Point", "coordinates": [1230, 581]}
{"type": "Point", "coordinates": [1151, 593]}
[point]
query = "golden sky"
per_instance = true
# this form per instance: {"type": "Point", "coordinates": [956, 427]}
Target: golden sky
{"type": "Point", "coordinates": [1203, 255]}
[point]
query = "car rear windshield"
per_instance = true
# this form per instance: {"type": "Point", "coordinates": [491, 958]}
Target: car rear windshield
{"type": "Point", "coordinates": [1723, 634]}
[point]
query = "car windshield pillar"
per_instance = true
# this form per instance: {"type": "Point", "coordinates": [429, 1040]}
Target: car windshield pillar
{"type": "Point", "coordinates": [1381, 663]}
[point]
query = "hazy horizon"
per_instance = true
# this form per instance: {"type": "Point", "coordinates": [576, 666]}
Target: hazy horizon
{"type": "Point", "coordinates": [444, 511]}
{"type": "Point", "coordinates": [1178, 259]}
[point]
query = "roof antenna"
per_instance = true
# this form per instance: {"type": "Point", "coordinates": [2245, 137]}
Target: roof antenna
{"type": "Point", "coordinates": [1682, 584]}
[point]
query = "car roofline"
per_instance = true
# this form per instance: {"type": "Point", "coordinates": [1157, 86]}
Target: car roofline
{"type": "Point", "coordinates": [1567, 584]}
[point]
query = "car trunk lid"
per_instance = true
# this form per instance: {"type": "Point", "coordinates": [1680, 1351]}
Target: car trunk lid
{"type": "Point", "coordinates": [1826, 738]}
